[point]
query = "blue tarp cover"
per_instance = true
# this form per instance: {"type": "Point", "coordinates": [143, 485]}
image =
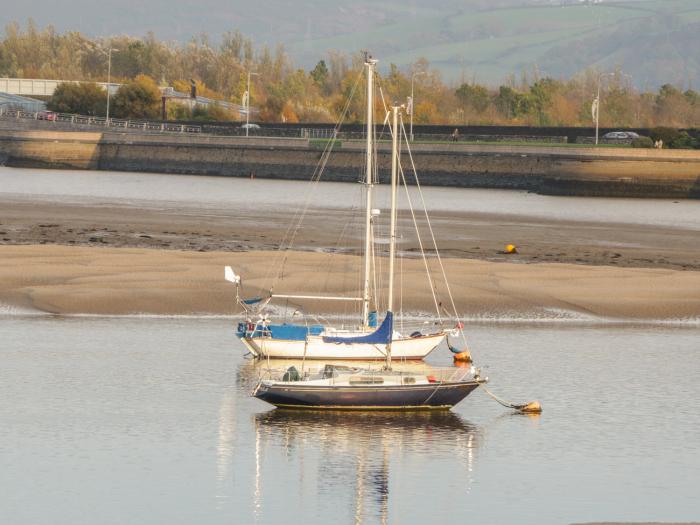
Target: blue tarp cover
{"type": "Point", "coordinates": [381, 336]}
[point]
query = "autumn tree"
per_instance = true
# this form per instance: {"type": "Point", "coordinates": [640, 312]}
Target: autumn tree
{"type": "Point", "coordinates": [282, 92]}
{"type": "Point", "coordinates": [139, 98]}
{"type": "Point", "coordinates": [474, 96]}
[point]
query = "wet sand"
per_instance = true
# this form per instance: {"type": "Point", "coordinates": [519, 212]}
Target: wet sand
{"type": "Point", "coordinates": [112, 255]}
{"type": "Point", "coordinates": [480, 236]}
{"type": "Point", "coordinates": [104, 280]}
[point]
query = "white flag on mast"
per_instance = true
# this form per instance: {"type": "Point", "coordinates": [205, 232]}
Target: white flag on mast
{"type": "Point", "coordinates": [594, 108]}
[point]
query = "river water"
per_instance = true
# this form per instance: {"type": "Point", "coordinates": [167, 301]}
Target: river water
{"type": "Point", "coordinates": [149, 421]}
{"type": "Point", "coordinates": [183, 191]}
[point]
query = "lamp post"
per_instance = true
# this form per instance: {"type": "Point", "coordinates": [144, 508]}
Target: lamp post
{"type": "Point", "coordinates": [247, 103]}
{"type": "Point", "coordinates": [413, 104]}
{"type": "Point", "coordinates": [596, 102]}
{"type": "Point", "coordinates": [109, 80]}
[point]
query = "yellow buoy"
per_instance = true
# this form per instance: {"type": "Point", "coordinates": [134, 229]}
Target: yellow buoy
{"type": "Point", "coordinates": [532, 408]}
{"type": "Point", "coordinates": [464, 357]}
{"type": "Point", "coordinates": [511, 248]}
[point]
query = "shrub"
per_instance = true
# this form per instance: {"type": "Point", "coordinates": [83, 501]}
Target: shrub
{"type": "Point", "coordinates": [212, 112]}
{"type": "Point", "coordinates": [84, 99]}
{"type": "Point", "coordinates": [642, 142]}
{"type": "Point", "coordinates": [684, 141]}
{"type": "Point", "coordinates": [667, 135]}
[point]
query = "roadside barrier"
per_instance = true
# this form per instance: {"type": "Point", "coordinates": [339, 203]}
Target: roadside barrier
{"type": "Point", "coordinates": [101, 122]}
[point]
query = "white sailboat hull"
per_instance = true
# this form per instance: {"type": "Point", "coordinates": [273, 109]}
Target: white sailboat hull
{"type": "Point", "coordinates": [316, 348]}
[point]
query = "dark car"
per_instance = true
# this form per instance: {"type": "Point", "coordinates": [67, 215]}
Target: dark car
{"type": "Point", "coordinates": [46, 115]}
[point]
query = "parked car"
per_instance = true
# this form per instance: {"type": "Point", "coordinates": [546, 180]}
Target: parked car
{"type": "Point", "coordinates": [250, 126]}
{"type": "Point", "coordinates": [46, 115]}
{"type": "Point", "coordinates": [621, 135]}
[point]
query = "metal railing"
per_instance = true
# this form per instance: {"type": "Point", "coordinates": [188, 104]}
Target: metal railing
{"type": "Point", "coordinates": [345, 139]}
{"type": "Point", "coordinates": [101, 122]}
{"type": "Point", "coordinates": [275, 371]}
{"type": "Point", "coordinates": [317, 133]}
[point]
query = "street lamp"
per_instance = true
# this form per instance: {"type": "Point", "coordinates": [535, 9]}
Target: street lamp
{"type": "Point", "coordinates": [247, 103]}
{"type": "Point", "coordinates": [109, 80]}
{"type": "Point", "coordinates": [596, 102]}
{"type": "Point", "coordinates": [413, 105]}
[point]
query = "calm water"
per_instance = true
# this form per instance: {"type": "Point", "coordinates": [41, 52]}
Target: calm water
{"type": "Point", "coordinates": [183, 191]}
{"type": "Point", "coordinates": [128, 420]}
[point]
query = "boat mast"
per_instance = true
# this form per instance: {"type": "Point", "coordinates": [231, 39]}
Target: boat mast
{"type": "Point", "coordinates": [370, 63]}
{"type": "Point", "coordinates": [392, 228]}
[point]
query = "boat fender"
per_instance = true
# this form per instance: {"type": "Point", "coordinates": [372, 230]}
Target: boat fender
{"type": "Point", "coordinates": [416, 334]}
{"type": "Point", "coordinates": [464, 357]}
{"type": "Point", "coordinates": [292, 374]}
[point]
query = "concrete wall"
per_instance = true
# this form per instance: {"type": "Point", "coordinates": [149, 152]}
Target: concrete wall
{"type": "Point", "coordinates": [550, 170]}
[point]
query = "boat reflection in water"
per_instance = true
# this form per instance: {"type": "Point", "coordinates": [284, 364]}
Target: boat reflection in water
{"type": "Point", "coordinates": [346, 458]}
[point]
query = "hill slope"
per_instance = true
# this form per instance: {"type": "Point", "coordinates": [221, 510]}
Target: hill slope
{"type": "Point", "coordinates": [653, 40]}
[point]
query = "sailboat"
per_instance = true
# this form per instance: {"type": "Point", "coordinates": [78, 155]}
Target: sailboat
{"type": "Point", "coordinates": [367, 340]}
{"type": "Point", "coordinates": [349, 388]}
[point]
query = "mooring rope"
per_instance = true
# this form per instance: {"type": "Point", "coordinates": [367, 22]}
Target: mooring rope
{"type": "Point", "coordinates": [533, 407]}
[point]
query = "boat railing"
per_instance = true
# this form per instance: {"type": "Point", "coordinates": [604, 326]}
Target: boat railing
{"type": "Point", "coordinates": [369, 372]}
{"type": "Point", "coordinates": [422, 327]}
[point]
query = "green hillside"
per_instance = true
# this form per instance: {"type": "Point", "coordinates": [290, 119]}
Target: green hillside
{"type": "Point", "coordinates": [655, 41]}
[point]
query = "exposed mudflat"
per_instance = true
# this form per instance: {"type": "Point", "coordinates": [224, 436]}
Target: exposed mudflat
{"type": "Point", "coordinates": [481, 236]}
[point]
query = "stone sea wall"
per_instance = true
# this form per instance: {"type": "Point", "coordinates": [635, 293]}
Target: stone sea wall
{"type": "Point", "coordinates": [619, 172]}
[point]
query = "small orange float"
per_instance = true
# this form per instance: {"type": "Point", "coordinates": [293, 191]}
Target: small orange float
{"type": "Point", "coordinates": [463, 357]}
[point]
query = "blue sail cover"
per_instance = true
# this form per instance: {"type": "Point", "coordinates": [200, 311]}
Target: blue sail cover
{"type": "Point", "coordinates": [289, 332]}
{"type": "Point", "coordinates": [293, 332]}
{"type": "Point", "coordinates": [381, 336]}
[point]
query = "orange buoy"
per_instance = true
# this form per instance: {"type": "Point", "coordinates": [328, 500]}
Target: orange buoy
{"type": "Point", "coordinates": [511, 249]}
{"type": "Point", "coordinates": [533, 407]}
{"type": "Point", "coordinates": [464, 357]}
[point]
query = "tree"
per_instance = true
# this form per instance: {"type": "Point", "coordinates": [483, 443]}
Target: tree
{"type": "Point", "coordinates": [84, 99]}
{"type": "Point", "coordinates": [271, 110]}
{"type": "Point", "coordinates": [282, 92]}
{"type": "Point", "coordinates": [475, 96]}
{"type": "Point", "coordinates": [693, 97]}
{"type": "Point", "coordinates": [426, 112]}
{"type": "Point", "coordinates": [541, 94]}
{"type": "Point", "coordinates": [672, 106]}
{"type": "Point", "coordinates": [137, 99]}
{"type": "Point", "coordinates": [506, 101]}
{"type": "Point", "coordinates": [320, 74]}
